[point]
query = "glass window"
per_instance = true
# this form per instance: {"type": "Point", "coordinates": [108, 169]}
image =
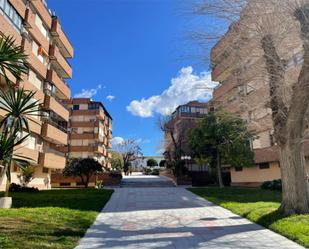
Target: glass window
{"type": "Point", "coordinates": [264, 166]}
{"type": "Point", "coordinates": [2, 4]}
{"type": "Point", "coordinates": [75, 107]}
{"type": "Point", "coordinates": [238, 169]}
{"type": "Point", "coordinates": [6, 7]}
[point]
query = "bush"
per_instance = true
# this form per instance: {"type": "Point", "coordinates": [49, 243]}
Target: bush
{"type": "Point", "coordinates": [272, 185]}
{"type": "Point", "coordinates": [18, 188]}
{"type": "Point", "coordinates": [155, 172]}
{"type": "Point", "coordinates": [147, 171]}
{"type": "Point", "coordinates": [115, 174]}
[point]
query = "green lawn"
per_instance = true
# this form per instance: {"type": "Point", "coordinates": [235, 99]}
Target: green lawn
{"type": "Point", "coordinates": [260, 206]}
{"type": "Point", "coordinates": [53, 219]}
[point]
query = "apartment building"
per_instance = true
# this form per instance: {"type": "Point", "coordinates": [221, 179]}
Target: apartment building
{"type": "Point", "coordinates": [90, 130]}
{"type": "Point", "coordinates": [182, 119]}
{"type": "Point", "coordinates": [244, 90]}
{"type": "Point", "coordinates": [39, 32]}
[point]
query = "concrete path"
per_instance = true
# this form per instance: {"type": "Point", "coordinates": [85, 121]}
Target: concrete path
{"type": "Point", "coordinates": [138, 180]}
{"type": "Point", "coordinates": [172, 218]}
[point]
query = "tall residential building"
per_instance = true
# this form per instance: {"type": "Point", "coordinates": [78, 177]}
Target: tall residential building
{"type": "Point", "coordinates": [90, 130]}
{"type": "Point", "coordinates": [244, 90]}
{"type": "Point", "coordinates": [182, 119]}
{"type": "Point", "coordinates": [39, 32]}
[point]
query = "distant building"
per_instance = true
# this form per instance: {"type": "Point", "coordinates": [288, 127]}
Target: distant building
{"type": "Point", "coordinates": [185, 117]}
{"type": "Point", "coordinates": [141, 162]}
{"type": "Point", "coordinates": [90, 130]}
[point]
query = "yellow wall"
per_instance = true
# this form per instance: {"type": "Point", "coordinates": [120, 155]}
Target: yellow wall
{"type": "Point", "coordinates": [41, 180]}
{"type": "Point", "coordinates": [255, 175]}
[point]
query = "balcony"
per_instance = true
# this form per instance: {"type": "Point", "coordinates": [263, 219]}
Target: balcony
{"type": "Point", "coordinates": [96, 112]}
{"type": "Point", "coordinates": [63, 68]}
{"type": "Point", "coordinates": [53, 77]}
{"type": "Point", "coordinates": [94, 148]}
{"type": "Point", "coordinates": [39, 95]}
{"type": "Point", "coordinates": [31, 155]}
{"type": "Point", "coordinates": [52, 104]}
{"type": "Point", "coordinates": [41, 8]}
{"type": "Point", "coordinates": [54, 134]}
{"type": "Point", "coordinates": [89, 124]}
{"type": "Point", "coordinates": [52, 160]}
{"type": "Point", "coordinates": [62, 40]}
{"type": "Point", "coordinates": [84, 136]}
{"type": "Point", "coordinates": [35, 125]}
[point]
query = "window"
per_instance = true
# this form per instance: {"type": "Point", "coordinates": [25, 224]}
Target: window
{"type": "Point", "coordinates": [237, 169]}
{"type": "Point", "coordinates": [93, 106]}
{"type": "Point", "coordinates": [75, 107]}
{"type": "Point", "coordinates": [40, 25]}
{"type": "Point", "coordinates": [11, 14]}
{"type": "Point", "coordinates": [35, 80]}
{"type": "Point", "coordinates": [185, 109]}
{"type": "Point", "coordinates": [264, 165]}
{"type": "Point", "coordinates": [45, 170]}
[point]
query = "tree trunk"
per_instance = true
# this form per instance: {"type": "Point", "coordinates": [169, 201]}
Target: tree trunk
{"type": "Point", "coordinates": [8, 180]}
{"type": "Point", "coordinates": [289, 127]}
{"type": "Point", "coordinates": [219, 173]}
{"type": "Point", "coordinates": [295, 192]}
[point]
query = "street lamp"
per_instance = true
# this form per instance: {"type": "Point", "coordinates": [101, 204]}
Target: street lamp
{"type": "Point", "coordinates": [186, 159]}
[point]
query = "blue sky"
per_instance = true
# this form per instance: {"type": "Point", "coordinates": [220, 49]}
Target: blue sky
{"type": "Point", "coordinates": [130, 50]}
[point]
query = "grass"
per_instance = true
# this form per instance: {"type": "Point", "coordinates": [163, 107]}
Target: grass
{"type": "Point", "coordinates": [54, 219]}
{"type": "Point", "coordinates": [260, 206]}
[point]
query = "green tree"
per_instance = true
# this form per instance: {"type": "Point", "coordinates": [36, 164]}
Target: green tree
{"type": "Point", "coordinates": [223, 138]}
{"type": "Point", "coordinates": [84, 168]}
{"type": "Point", "coordinates": [116, 161]}
{"type": "Point", "coordinates": [152, 162]}
{"type": "Point", "coordinates": [162, 163]}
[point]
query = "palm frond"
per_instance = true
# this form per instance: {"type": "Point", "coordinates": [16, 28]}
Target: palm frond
{"type": "Point", "coordinates": [12, 58]}
{"type": "Point", "coordinates": [19, 105]}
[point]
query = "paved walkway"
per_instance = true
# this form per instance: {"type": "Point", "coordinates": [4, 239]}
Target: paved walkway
{"type": "Point", "coordinates": [138, 180]}
{"type": "Point", "coordinates": [172, 218]}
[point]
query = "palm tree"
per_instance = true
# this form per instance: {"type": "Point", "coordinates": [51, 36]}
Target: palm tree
{"type": "Point", "coordinates": [18, 104]}
{"type": "Point", "coordinates": [13, 60]}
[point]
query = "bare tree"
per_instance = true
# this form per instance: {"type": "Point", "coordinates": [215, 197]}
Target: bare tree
{"type": "Point", "coordinates": [173, 139]}
{"type": "Point", "coordinates": [266, 36]}
{"type": "Point", "coordinates": [129, 150]}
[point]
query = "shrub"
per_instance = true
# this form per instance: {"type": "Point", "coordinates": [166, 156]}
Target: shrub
{"type": "Point", "coordinates": [155, 172]}
{"type": "Point", "coordinates": [18, 188]}
{"type": "Point", "coordinates": [272, 185]}
{"type": "Point", "coordinates": [147, 171]}
{"type": "Point", "coordinates": [115, 174]}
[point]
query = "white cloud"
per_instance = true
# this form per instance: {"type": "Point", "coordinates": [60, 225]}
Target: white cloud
{"type": "Point", "coordinates": [117, 140]}
{"type": "Point", "coordinates": [186, 87]}
{"type": "Point", "coordinates": [110, 97]}
{"type": "Point", "coordinates": [143, 141]}
{"type": "Point", "coordinates": [88, 93]}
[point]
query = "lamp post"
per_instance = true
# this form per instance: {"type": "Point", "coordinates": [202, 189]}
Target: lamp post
{"type": "Point", "coordinates": [186, 159]}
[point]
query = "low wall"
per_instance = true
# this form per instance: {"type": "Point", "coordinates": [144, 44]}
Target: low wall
{"type": "Point", "coordinates": [108, 179]}
{"type": "Point", "coordinates": [179, 181]}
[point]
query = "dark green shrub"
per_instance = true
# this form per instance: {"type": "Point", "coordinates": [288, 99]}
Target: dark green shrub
{"type": "Point", "coordinates": [272, 185]}
{"type": "Point", "coordinates": [18, 188]}
{"type": "Point", "coordinates": [155, 172]}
